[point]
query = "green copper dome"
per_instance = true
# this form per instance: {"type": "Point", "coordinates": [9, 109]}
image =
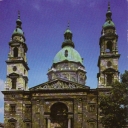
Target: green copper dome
{"type": "Point", "coordinates": [67, 53]}
{"type": "Point", "coordinates": [108, 24]}
{"type": "Point", "coordinates": [18, 31]}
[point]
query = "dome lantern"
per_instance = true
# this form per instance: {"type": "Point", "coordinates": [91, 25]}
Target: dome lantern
{"type": "Point", "coordinates": [68, 38]}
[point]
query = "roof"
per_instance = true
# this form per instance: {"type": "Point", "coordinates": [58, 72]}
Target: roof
{"type": "Point", "coordinates": [67, 31]}
{"type": "Point", "coordinates": [18, 31]}
{"type": "Point", "coordinates": [1, 125]}
{"type": "Point", "coordinates": [72, 55]}
{"type": "Point", "coordinates": [108, 24]}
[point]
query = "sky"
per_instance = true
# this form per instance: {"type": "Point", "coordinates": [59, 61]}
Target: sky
{"type": "Point", "coordinates": [44, 23]}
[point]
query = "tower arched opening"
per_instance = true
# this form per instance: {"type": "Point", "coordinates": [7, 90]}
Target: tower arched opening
{"type": "Point", "coordinates": [109, 46]}
{"type": "Point", "coordinates": [15, 51]}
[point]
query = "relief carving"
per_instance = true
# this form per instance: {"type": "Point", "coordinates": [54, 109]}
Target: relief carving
{"type": "Point", "coordinates": [59, 85]}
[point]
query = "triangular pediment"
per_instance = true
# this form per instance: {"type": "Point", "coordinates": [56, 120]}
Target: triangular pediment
{"type": "Point", "coordinates": [91, 120]}
{"type": "Point", "coordinates": [58, 84]}
{"type": "Point", "coordinates": [12, 120]}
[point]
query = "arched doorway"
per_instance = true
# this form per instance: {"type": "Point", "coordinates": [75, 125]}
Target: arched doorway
{"type": "Point", "coordinates": [59, 115]}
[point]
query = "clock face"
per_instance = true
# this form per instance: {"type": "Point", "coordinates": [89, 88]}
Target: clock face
{"type": "Point", "coordinates": [14, 68]}
{"type": "Point", "coordinates": [109, 63]}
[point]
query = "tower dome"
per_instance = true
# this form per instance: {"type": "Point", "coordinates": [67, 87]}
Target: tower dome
{"type": "Point", "coordinates": [18, 30]}
{"type": "Point", "coordinates": [108, 23]}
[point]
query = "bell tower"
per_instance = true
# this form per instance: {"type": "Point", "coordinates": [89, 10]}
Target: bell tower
{"type": "Point", "coordinates": [109, 56]}
{"type": "Point", "coordinates": [17, 67]}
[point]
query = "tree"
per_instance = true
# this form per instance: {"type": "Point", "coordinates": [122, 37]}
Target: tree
{"type": "Point", "coordinates": [113, 105]}
{"type": "Point", "coordinates": [124, 78]}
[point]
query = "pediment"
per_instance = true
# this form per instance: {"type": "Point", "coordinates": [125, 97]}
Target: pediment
{"type": "Point", "coordinates": [13, 74]}
{"type": "Point", "coordinates": [91, 120]}
{"type": "Point", "coordinates": [12, 120]}
{"type": "Point", "coordinates": [109, 70]}
{"type": "Point", "coordinates": [58, 84]}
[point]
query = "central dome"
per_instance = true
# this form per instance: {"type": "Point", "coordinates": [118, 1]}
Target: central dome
{"type": "Point", "coordinates": [67, 63]}
{"type": "Point", "coordinates": [67, 53]}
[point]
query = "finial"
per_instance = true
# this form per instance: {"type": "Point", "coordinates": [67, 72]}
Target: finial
{"type": "Point", "coordinates": [18, 14]}
{"type": "Point", "coordinates": [18, 21]}
{"type": "Point", "coordinates": [68, 25]}
{"type": "Point", "coordinates": [109, 13]}
{"type": "Point", "coordinates": [109, 6]}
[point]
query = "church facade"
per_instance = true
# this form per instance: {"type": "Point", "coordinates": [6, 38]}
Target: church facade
{"type": "Point", "coordinates": [64, 101]}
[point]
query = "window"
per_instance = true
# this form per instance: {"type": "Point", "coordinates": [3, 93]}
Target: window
{"type": "Point", "coordinates": [15, 51]}
{"type": "Point", "coordinates": [109, 63]}
{"type": "Point", "coordinates": [24, 71]}
{"type": "Point", "coordinates": [27, 125]}
{"type": "Point", "coordinates": [12, 125]}
{"type": "Point", "coordinates": [66, 53]}
{"type": "Point", "coordinates": [92, 108]}
{"type": "Point", "coordinates": [92, 125]}
{"type": "Point", "coordinates": [28, 108]}
{"type": "Point", "coordinates": [13, 83]}
{"type": "Point", "coordinates": [12, 108]}
{"type": "Point", "coordinates": [109, 79]}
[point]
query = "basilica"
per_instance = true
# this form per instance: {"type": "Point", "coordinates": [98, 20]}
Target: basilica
{"type": "Point", "coordinates": [64, 101]}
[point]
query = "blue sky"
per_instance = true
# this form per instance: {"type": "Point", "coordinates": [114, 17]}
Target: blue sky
{"type": "Point", "coordinates": [44, 23]}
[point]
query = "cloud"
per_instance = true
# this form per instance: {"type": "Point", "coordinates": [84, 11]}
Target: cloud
{"type": "Point", "coordinates": [1, 110]}
{"type": "Point", "coordinates": [36, 5]}
{"type": "Point", "coordinates": [92, 4]}
{"type": "Point", "coordinates": [2, 85]}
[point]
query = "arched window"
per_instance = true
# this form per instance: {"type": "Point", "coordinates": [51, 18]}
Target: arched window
{"type": "Point", "coordinates": [92, 125]}
{"type": "Point", "coordinates": [109, 46]}
{"type": "Point", "coordinates": [27, 125]}
{"type": "Point", "coordinates": [109, 79]}
{"type": "Point", "coordinates": [13, 125]}
{"type": "Point", "coordinates": [66, 53]}
{"type": "Point", "coordinates": [13, 83]}
{"type": "Point", "coordinates": [15, 52]}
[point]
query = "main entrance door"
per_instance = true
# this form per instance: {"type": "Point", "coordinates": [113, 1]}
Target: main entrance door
{"type": "Point", "coordinates": [59, 116]}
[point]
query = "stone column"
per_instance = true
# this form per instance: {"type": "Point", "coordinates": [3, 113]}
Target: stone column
{"type": "Point", "coordinates": [75, 113]}
{"type": "Point", "coordinates": [49, 123]}
{"type": "Point", "coordinates": [69, 122]}
{"type": "Point", "coordinates": [84, 111]}
{"type": "Point", "coordinates": [42, 119]}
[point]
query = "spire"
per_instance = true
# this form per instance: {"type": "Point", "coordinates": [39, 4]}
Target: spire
{"type": "Point", "coordinates": [109, 13]}
{"type": "Point", "coordinates": [68, 25]}
{"type": "Point", "coordinates": [18, 30]}
{"type": "Point", "coordinates": [68, 29]}
{"type": "Point", "coordinates": [18, 14]}
{"type": "Point", "coordinates": [108, 6]}
{"type": "Point", "coordinates": [18, 21]}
